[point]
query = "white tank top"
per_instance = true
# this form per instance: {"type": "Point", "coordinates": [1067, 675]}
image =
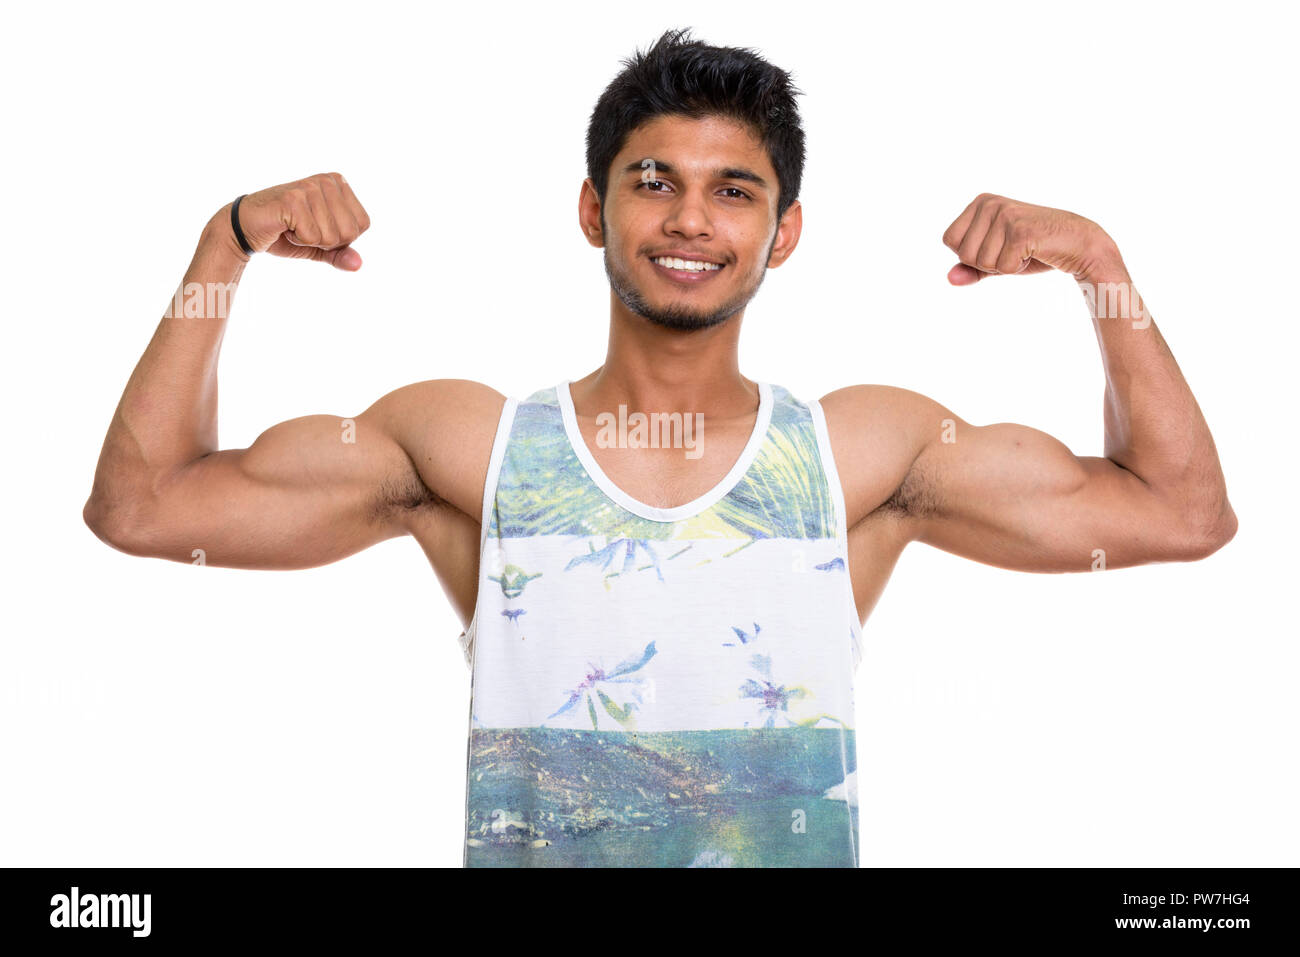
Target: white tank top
{"type": "Point", "coordinates": [662, 687]}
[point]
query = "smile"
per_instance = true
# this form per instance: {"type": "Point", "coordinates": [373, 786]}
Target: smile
{"type": "Point", "coordinates": [687, 270]}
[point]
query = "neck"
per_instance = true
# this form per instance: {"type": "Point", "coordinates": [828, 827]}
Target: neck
{"type": "Point", "coordinates": [653, 369]}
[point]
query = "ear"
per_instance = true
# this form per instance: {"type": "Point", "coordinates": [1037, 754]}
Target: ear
{"type": "Point", "coordinates": [589, 214]}
{"type": "Point", "coordinates": [787, 235]}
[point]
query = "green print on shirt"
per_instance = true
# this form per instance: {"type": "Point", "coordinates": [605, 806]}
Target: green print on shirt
{"type": "Point", "coordinates": [551, 797]}
{"type": "Point", "coordinates": [512, 580]}
{"type": "Point", "coordinates": [544, 490]}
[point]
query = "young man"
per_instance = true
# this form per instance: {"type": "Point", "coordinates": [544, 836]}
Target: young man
{"type": "Point", "coordinates": [664, 566]}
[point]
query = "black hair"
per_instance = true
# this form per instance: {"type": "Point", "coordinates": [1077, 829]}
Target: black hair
{"type": "Point", "coordinates": [683, 77]}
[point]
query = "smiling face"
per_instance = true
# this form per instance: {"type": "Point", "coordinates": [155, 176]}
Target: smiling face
{"type": "Point", "coordinates": [710, 200]}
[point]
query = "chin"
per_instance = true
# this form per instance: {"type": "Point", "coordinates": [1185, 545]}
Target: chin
{"type": "Point", "coordinates": [684, 323]}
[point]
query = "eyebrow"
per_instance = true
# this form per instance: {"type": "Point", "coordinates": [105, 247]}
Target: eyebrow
{"type": "Point", "coordinates": [727, 172]}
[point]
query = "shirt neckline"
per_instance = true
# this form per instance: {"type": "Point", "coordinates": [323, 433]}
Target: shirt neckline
{"type": "Point", "coordinates": [651, 512]}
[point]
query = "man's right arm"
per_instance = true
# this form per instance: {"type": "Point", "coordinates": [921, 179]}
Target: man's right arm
{"type": "Point", "coordinates": [308, 491]}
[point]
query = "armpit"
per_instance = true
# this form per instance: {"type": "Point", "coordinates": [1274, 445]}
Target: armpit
{"type": "Point", "coordinates": [915, 496]}
{"type": "Point", "coordinates": [410, 494]}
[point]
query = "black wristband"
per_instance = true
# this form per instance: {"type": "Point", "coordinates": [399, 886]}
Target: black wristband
{"type": "Point", "coordinates": [234, 221]}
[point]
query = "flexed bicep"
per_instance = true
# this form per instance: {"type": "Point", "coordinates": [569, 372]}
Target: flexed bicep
{"type": "Point", "coordinates": [1013, 496]}
{"type": "Point", "coordinates": [307, 492]}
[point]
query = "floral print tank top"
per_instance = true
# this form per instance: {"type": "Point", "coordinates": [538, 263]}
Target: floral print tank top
{"type": "Point", "coordinates": [662, 687]}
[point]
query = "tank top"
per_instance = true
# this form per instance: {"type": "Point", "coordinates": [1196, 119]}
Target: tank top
{"type": "Point", "coordinates": [662, 687]}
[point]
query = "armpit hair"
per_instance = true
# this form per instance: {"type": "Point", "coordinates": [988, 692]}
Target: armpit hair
{"type": "Point", "coordinates": [406, 495]}
{"type": "Point", "coordinates": [915, 496]}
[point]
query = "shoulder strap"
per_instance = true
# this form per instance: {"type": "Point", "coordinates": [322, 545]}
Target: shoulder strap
{"type": "Point", "coordinates": [841, 525]}
{"type": "Point", "coordinates": [499, 441]}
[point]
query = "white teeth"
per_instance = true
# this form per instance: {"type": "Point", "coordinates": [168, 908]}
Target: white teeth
{"type": "Point", "coordinates": [690, 265]}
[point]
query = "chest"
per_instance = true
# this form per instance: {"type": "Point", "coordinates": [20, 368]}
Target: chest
{"type": "Point", "coordinates": [674, 473]}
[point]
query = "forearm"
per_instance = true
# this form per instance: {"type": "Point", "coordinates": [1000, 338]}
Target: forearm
{"type": "Point", "coordinates": [1153, 425]}
{"type": "Point", "coordinates": [167, 415]}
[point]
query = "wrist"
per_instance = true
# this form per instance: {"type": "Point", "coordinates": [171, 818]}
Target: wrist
{"type": "Point", "coordinates": [220, 233]}
{"type": "Point", "coordinates": [218, 256]}
{"type": "Point", "coordinates": [1102, 263]}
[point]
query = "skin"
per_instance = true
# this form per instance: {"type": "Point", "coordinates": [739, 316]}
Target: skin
{"type": "Point", "coordinates": [912, 470]}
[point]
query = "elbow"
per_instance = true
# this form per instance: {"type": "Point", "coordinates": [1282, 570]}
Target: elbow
{"type": "Point", "coordinates": [95, 514]}
{"type": "Point", "coordinates": [117, 526]}
{"type": "Point", "coordinates": [1210, 534]}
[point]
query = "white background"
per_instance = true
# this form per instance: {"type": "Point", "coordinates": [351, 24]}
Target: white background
{"type": "Point", "coordinates": [154, 713]}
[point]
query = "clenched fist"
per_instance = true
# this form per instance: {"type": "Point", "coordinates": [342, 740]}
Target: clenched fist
{"type": "Point", "coordinates": [997, 236]}
{"type": "Point", "coordinates": [314, 218]}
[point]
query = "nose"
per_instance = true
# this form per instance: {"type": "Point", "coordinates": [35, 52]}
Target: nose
{"type": "Point", "coordinates": [688, 216]}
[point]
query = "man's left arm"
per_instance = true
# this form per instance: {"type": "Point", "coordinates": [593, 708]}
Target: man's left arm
{"type": "Point", "coordinates": [1015, 497]}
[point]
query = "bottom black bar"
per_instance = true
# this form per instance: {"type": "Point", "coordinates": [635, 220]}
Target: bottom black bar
{"type": "Point", "coordinates": [109, 907]}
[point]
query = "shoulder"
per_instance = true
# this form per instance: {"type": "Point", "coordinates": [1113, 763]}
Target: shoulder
{"type": "Point", "coordinates": [877, 434]}
{"type": "Point", "coordinates": [450, 399]}
{"type": "Point", "coordinates": [868, 403]}
{"type": "Point", "coordinates": [446, 428]}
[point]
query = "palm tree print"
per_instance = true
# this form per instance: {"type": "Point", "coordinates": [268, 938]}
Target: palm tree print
{"type": "Point", "coordinates": [543, 489]}
{"type": "Point", "coordinates": [784, 494]}
{"type": "Point", "coordinates": [619, 674]}
{"type": "Point", "coordinates": [603, 556]}
{"type": "Point", "coordinates": [775, 698]}
{"type": "Point", "coordinates": [512, 580]}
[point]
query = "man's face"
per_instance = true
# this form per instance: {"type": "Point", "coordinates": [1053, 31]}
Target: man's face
{"type": "Point", "coordinates": [709, 196]}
